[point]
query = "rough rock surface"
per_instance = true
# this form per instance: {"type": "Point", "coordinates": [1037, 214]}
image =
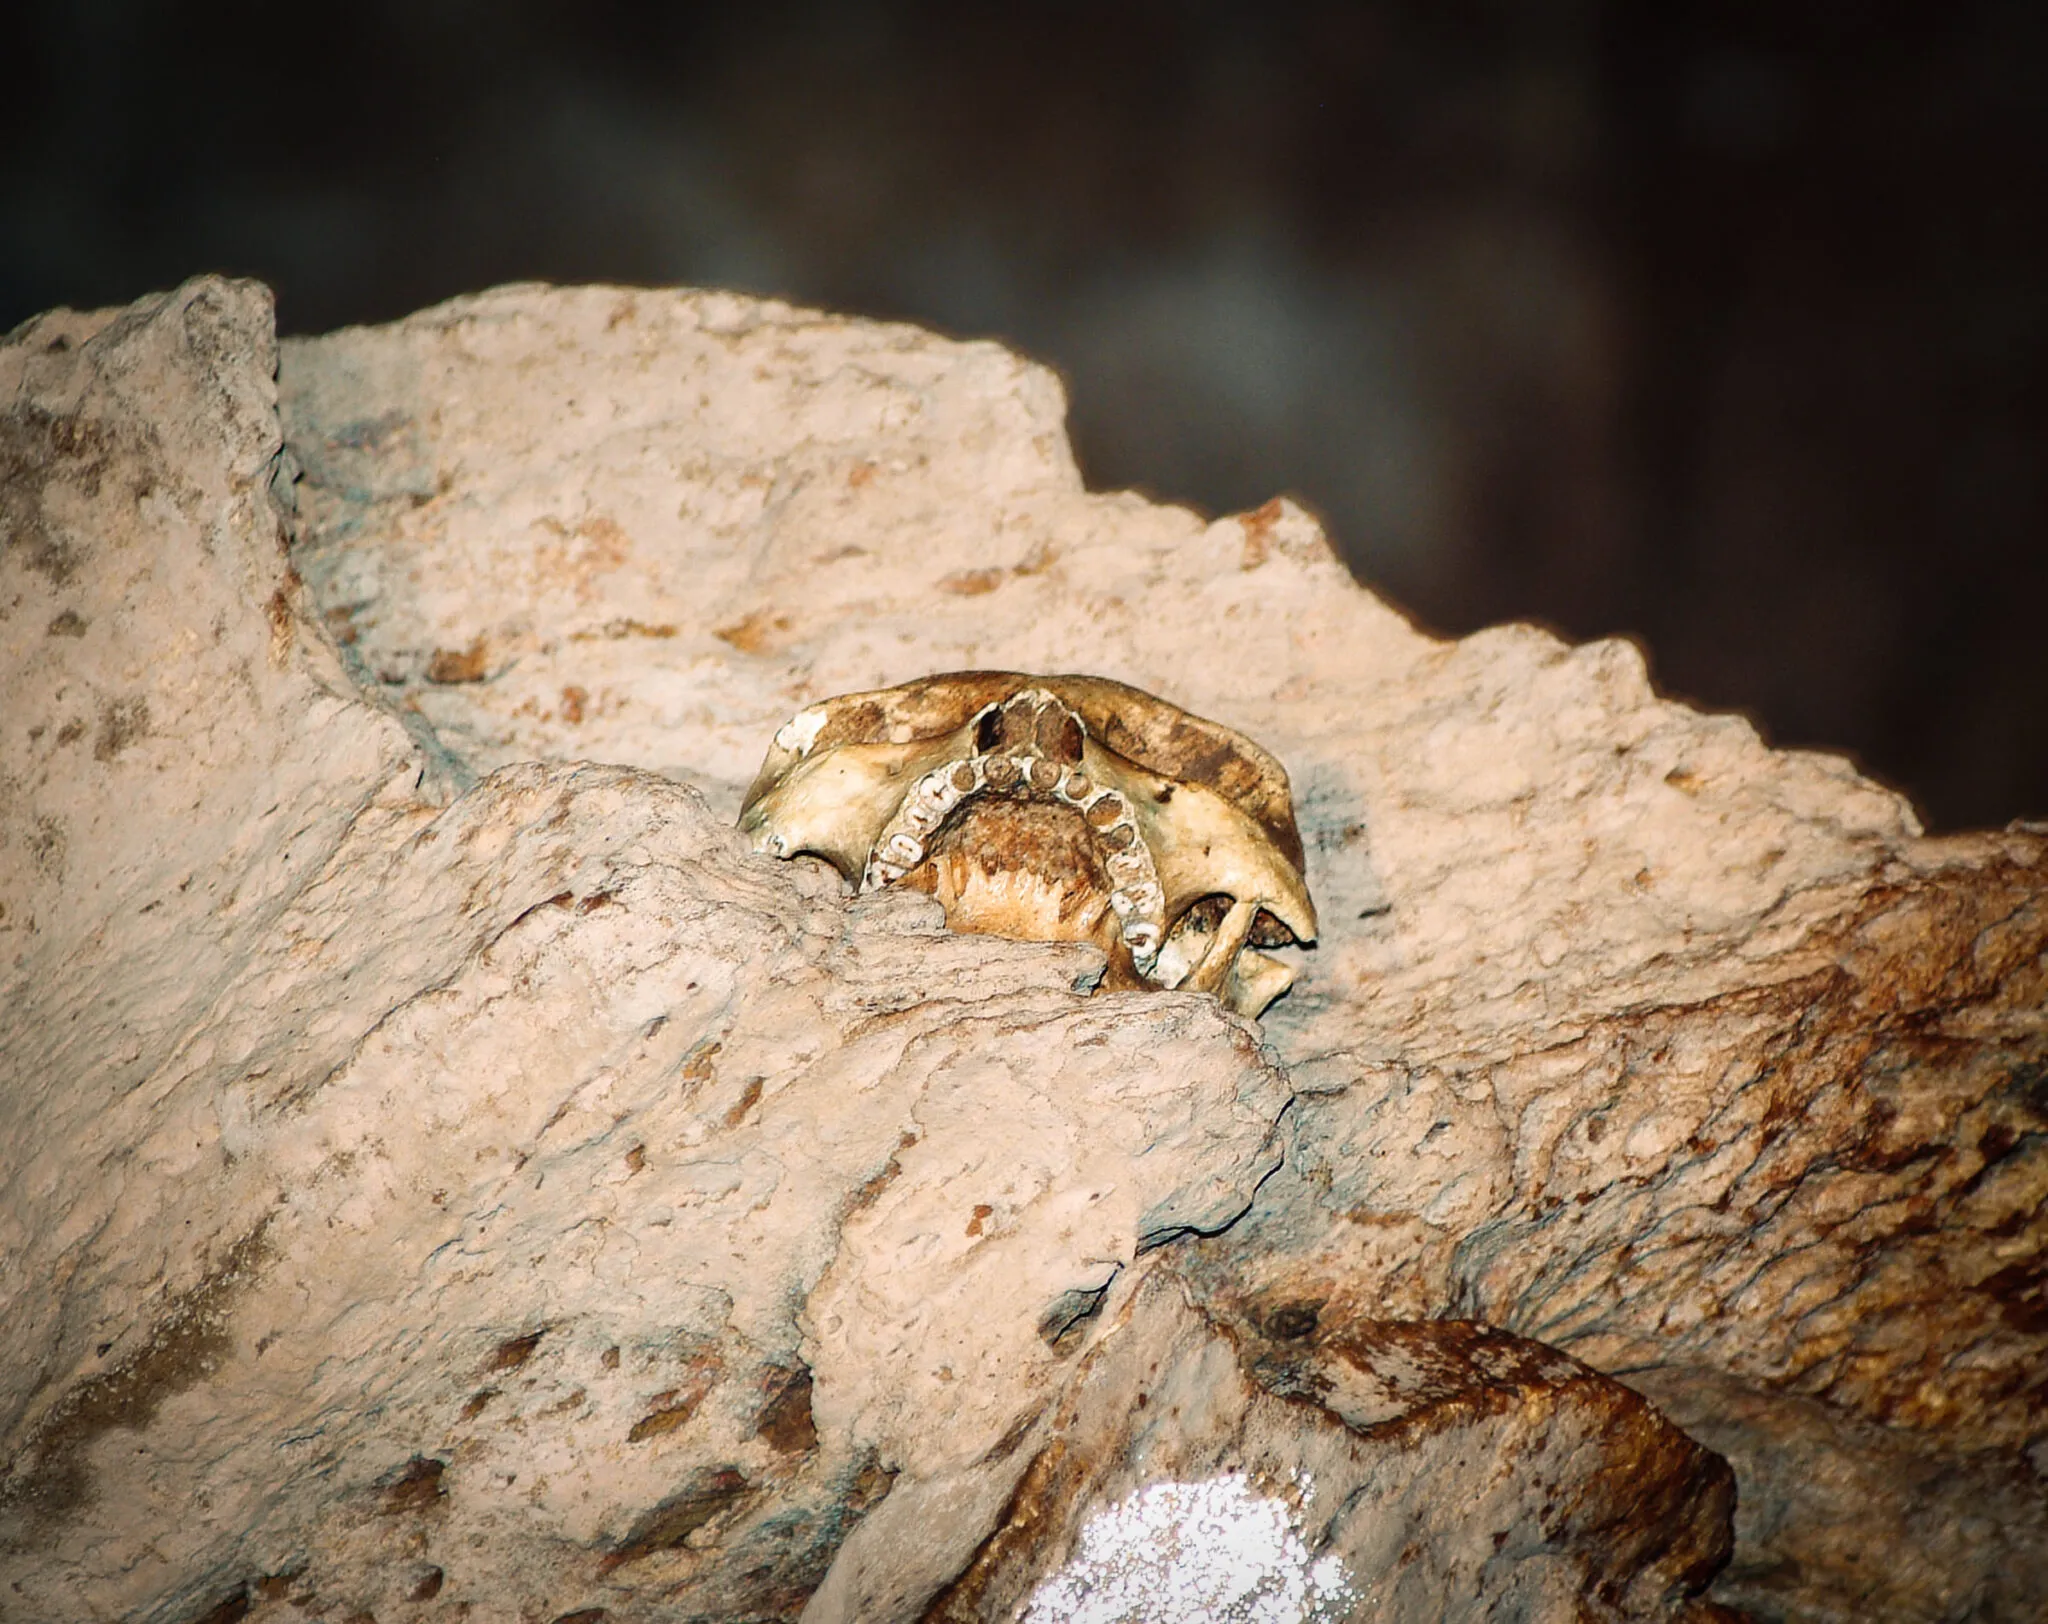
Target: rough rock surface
{"type": "Point", "coordinates": [1575, 1498]}
{"type": "Point", "coordinates": [441, 1174]}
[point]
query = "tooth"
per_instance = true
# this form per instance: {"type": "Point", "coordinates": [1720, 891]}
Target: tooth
{"type": "Point", "coordinates": [1129, 869]}
{"type": "Point", "coordinates": [1106, 810]}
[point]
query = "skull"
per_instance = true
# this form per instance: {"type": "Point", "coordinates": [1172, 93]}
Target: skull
{"type": "Point", "coordinates": [1053, 809]}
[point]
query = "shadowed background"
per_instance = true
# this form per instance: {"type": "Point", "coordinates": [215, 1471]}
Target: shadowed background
{"type": "Point", "coordinates": [1723, 326]}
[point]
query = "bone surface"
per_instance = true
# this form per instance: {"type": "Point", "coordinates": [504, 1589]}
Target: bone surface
{"type": "Point", "coordinates": [996, 793]}
{"type": "Point", "coordinates": [445, 1173]}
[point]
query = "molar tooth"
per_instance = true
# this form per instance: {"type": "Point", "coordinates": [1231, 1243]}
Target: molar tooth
{"type": "Point", "coordinates": [1106, 809]}
{"type": "Point", "coordinates": [965, 778]}
{"type": "Point", "coordinates": [1141, 936]}
{"type": "Point", "coordinates": [1128, 868]}
{"type": "Point", "coordinates": [902, 848]}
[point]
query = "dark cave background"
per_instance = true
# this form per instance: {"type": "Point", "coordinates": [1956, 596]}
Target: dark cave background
{"type": "Point", "coordinates": [1720, 326]}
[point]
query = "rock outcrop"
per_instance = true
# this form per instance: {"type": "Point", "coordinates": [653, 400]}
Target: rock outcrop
{"type": "Point", "coordinates": [445, 1174]}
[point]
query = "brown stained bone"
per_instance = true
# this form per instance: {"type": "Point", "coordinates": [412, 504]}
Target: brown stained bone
{"type": "Point", "coordinates": [1023, 870]}
{"type": "Point", "coordinates": [1053, 809]}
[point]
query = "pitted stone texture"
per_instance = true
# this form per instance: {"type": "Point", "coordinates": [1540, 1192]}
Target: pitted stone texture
{"type": "Point", "coordinates": [1624, 1031]}
{"type": "Point", "coordinates": [514, 1206]}
{"type": "Point", "coordinates": [1841, 1521]}
{"type": "Point", "coordinates": [1448, 1471]}
{"type": "Point", "coordinates": [179, 754]}
{"type": "Point", "coordinates": [647, 527]}
{"type": "Point", "coordinates": [624, 1260]}
{"type": "Point", "coordinates": [1588, 956]}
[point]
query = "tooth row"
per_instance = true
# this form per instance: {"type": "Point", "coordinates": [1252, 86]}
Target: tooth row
{"type": "Point", "coordinates": [1135, 896]}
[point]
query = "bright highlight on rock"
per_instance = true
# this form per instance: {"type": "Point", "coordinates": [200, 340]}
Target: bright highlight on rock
{"type": "Point", "coordinates": [1194, 1553]}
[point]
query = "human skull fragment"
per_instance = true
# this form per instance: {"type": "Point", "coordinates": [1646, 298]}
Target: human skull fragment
{"type": "Point", "coordinates": [1053, 809]}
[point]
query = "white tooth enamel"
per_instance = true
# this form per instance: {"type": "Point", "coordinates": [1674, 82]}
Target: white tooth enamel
{"type": "Point", "coordinates": [1142, 938]}
{"type": "Point", "coordinates": [880, 874]}
{"type": "Point", "coordinates": [903, 847]}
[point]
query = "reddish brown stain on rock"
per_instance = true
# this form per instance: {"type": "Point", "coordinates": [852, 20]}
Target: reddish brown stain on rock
{"type": "Point", "coordinates": [785, 1422]}
{"type": "Point", "coordinates": [1258, 533]}
{"type": "Point", "coordinates": [710, 1492]}
{"type": "Point", "coordinates": [515, 1351]}
{"type": "Point", "coordinates": [451, 666]}
{"type": "Point", "coordinates": [415, 1488]}
{"type": "Point", "coordinates": [755, 633]}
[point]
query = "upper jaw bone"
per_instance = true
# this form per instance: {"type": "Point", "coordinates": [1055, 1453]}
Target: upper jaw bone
{"type": "Point", "coordinates": [878, 807]}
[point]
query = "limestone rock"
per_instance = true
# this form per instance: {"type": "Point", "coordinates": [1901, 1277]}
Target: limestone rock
{"type": "Point", "coordinates": [1369, 1432]}
{"type": "Point", "coordinates": [445, 1170]}
{"type": "Point", "coordinates": [1625, 1032]}
{"type": "Point", "coordinates": [512, 1190]}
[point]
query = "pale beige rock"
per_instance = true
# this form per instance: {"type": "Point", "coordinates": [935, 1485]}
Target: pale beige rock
{"type": "Point", "coordinates": [1461, 1473]}
{"type": "Point", "coordinates": [528, 1185]}
{"type": "Point", "coordinates": [180, 758]}
{"type": "Point", "coordinates": [360, 1057]}
{"type": "Point", "coordinates": [1624, 1031]}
